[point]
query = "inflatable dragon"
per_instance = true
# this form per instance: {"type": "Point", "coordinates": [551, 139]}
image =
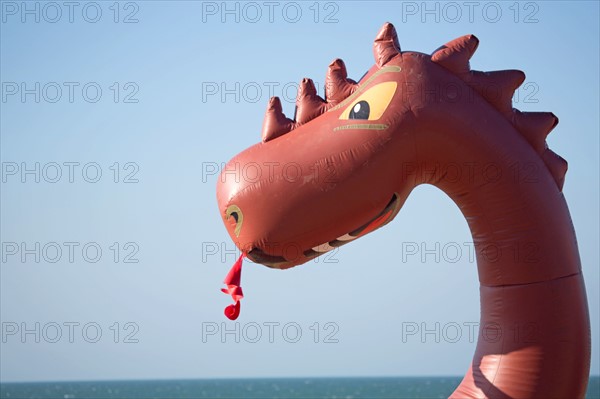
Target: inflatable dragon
{"type": "Point", "coordinates": [345, 165]}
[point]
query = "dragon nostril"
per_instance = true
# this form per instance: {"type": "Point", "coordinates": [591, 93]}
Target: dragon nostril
{"type": "Point", "coordinates": [235, 212]}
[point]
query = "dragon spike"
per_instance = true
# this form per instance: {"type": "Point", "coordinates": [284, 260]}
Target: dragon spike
{"type": "Point", "coordinates": [337, 85]}
{"type": "Point", "coordinates": [275, 123]}
{"type": "Point", "coordinates": [535, 126]}
{"type": "Point", "coordinates": [497, 87]}
{"type": "Point", "coordinates": [455, 55]}
{"type": "Point", "coordinates": [556, 165]}
{"type": "Point", "coordinates": [386, 44]}
{"type": "Point", "coordinates": [308, 104]}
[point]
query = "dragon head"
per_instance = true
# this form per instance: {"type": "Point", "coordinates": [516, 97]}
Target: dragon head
{"type": "Point", "coordinates": [346, 164]}
{"type": "Point", "coordinates": [317, 182]}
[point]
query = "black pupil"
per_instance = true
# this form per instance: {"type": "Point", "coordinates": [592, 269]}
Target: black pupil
{"type": "Point", "coordinates": [235, 216]}
{"type": "Point", "coordinates": [360, 110]}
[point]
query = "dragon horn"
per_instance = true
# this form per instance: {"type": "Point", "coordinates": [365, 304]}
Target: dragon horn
{"type": "Point", "coordinates": [337, 85]}
{"type": "Point", "coordinates": [455, 55]}
{"type": "Point", "coordinates": [275, 123]}
{"type": "Point", "coordinates": [535, 126]}
{"type": "Point", "coordinates": [308, 104]}
{"type": "Point", "coordinates": [386, 44]}
{"type": "Point", "coordinates": [497, 87]}
{"type": "Point", "coordinates": [557, 166]}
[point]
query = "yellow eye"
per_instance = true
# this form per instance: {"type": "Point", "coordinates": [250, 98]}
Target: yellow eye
{"type": "Point", "coordinates": [371, 104]}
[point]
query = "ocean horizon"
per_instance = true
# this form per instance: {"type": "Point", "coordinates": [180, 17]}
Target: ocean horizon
{"type": "Point", "coordinates": [310, 387]}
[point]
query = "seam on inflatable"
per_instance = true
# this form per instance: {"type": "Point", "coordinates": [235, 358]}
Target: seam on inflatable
{"type": "Point", "coordinates": [535, 282]}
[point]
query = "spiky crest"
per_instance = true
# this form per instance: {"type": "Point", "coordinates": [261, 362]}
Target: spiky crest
{"type": "Point", "coordinates": [497, 87]}
{"type": "Point", "coordinates": [337, 85]}
{"type": "Point", "coordinates": [386, 45]}
{"type": "Point", "coordinates": [275, 123]}
{"type": "Point", "coordinates": [535, 126]}
{"type": "Point", "coordinates": [309, 104]}
{"type": "Point", "coordinates": [455, 55]}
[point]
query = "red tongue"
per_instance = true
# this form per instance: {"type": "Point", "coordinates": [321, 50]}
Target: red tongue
{"type": "Point", "coordinates": [233, 281]}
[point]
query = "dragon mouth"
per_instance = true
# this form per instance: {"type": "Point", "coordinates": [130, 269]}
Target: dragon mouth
{"type": "Point", "coordinates": [257, 255]}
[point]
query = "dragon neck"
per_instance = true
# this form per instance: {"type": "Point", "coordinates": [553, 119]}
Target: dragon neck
{"type": "Point", "coordinates": [517, 214]}
{"type": "Point", "coordinates": [534, 309]}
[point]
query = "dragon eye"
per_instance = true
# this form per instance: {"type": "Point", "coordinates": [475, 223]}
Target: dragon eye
{"type": "Point", "coordinates": [371, 104]}
{"type": "Point", "coordinates": [360, 110]}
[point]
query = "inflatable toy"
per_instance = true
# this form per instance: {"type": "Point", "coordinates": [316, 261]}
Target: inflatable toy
{"type": "Point", "coordinates": [346, 163]}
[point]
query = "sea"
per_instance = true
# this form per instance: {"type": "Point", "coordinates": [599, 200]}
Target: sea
{"type": "Point", "coordinates": [263, 388]}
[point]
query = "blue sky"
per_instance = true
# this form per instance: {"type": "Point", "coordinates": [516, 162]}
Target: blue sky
{"type": "Point", "coordinates": [139, 101]}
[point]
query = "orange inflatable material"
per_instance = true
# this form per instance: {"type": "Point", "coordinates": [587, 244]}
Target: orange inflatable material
{"type": "Point", "coordinates": [345, 165]}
